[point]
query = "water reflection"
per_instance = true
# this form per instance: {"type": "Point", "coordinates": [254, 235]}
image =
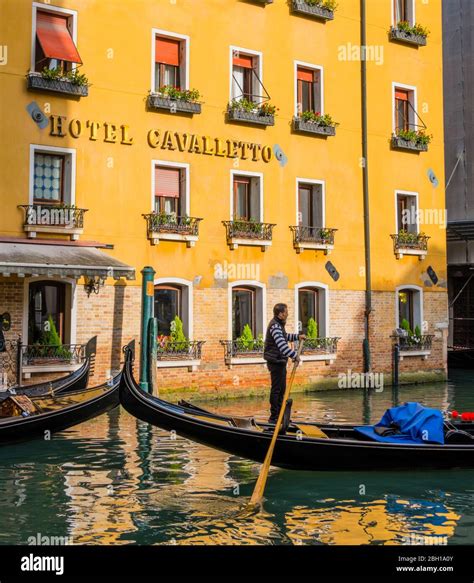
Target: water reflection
{"type": "Point", "coordinates": [115, 480]}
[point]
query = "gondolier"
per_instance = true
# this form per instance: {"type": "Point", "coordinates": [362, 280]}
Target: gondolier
{"type": "Point", "coordinates": [276, 353]}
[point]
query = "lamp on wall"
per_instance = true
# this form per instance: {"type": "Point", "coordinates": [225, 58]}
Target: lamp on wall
{"type": "Point", "coordinates": [93, 284]}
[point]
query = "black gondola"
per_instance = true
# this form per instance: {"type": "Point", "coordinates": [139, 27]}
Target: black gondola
{"type": "Point", "coordinates": [56, 413]}
{"type": "Point", "coordinates": [74, 381]}
{"type": "Point", "coordinates": [298, 448]}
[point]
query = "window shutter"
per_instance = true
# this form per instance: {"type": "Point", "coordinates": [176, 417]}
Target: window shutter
{"type": "Point", "coordinates": [245, 61]}
{"type": "Point", "coordinates": [167, 182]}
{"type": "Point", "coordinates": [55, 38]}
{"type": "Point", "coordinates": [400, 94]}
{"type": "Point", "coordinates": [167, 51]}
{"type": "Point", "coordinates": [305, 75]}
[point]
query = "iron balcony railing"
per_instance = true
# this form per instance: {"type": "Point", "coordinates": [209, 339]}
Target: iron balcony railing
{"type": "Point", "coordinates": [415, 343]}
{"type": "Point", "coordinates": [242, 348]}
{"type": "Point", "coordinates": [169, 223]}
{"type": "Point", "coordinates": [414, 241]}
{"type": "Point", "coordinates": [320, 235]}
{"type": "Point", "coordinates": [243, 229]}
{"type": "Point", "coordinates": [312, 346]}
{"type": "Point", "coordinates": [50, 215]}
{"type": "Point", "coordinates": [186, 350]}
{"type": "Point", "coordinates": [38, 354]}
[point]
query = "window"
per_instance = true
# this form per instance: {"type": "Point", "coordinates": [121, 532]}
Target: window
{"type": "Point", "coordinates": [404, 109]}
{"type": "Point", "coordinates": [310, 205]}
{"type": "Point", "coordinates": [243, 310]}
{"type": "Point", "coordinates": [308, 300]}
{"type": "Point", "coordinates": [170, 190]}
{"type": "Point", "coordinates": [52, 172]}
{"type": "Point", "coordinates": [308, 83]}
{"type": "Point", "coordinates": [173, 298]}
{"type": "Point", "coordinates": [403, 11]}
{"type": "Point", "coordinates": [246, 197]}
{"type": "Point", "coordinates": [409, 306]}
{"type": "Point", "coordinates": [171, 57]}
{"type": "Point", "coordinates": [407, 212]}
{"type": "Point", "coordinates": [47, 303]}
{"type": "Point", "coordinates": [48, 178]}
{"type": "Point", "coordinates": [311, 301]}
{"type": "Point", "coordinates": [167, 305]}
{"type": "Point", "coordinates": [243, 77]}
{"type": "Point", "coordinates": [167, 63]}
{"type": "Point", "coordinates": [54, 44]}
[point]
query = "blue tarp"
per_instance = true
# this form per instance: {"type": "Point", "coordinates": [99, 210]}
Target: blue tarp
{"type": "Point", "coordinates": [417, 424]}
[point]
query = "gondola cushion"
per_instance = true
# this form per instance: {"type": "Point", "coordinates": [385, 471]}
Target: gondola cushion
{"type": "Point", "coordinates": [16, 406]}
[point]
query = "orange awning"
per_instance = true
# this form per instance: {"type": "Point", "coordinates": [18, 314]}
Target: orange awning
{"type": "Point", "coordinates": [55, 38]}
{"type": "Point", "coordinates": [305, 75]}
{"type": "Point", "coordinates": [245, 61]}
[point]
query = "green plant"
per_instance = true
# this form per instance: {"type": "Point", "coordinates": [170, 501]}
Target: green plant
{"type": "Point", "coordinates": [178, 341]}
{"type": "Point", "coordinates": [248, 225]}
{"type": "Point", "coordinates": [58, 74]}
{"type": "Point", "coordinates": [182, 94]}
{"type": "Point", "coordinates": [312, 331]}
{"type": "Point", "coordinates": [416, 29]}
{"type": "Point", "coordinates": [321, 120]}
{"type": "Point", "coordinates": [407, 238]}
{"type": "Point", "coordinates": [244, 104]}
{"type": "Point", "coordinates": [328, 4]}
{"type": "Point", "coordinates": [246, 340]}
{"type": "Point", "coordinates": [405, 325]}
{"type": "Point", "coordinates": [50, 343]}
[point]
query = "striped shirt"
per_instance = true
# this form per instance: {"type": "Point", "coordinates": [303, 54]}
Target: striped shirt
{"type": "Point", "coordinates": [281, 340]}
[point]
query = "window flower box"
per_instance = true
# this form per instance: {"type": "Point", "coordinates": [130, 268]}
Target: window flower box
{"type": "Point", "coordinates": [238, 352]}
{"type": "Point", "coordinates": [320, 10]}
{"type": "Point", "coordinates": [246, 111]}
{"type": "Point", "coordinates": [37, 82]}
{"type": "Point", "coordinates": [318, 238]}
{"type": "Point", "coordinates": [404, 32]}
{"type": "Point", "coordinates": [58, 219]}
{"type": "Point", "coordinates": [243, 232]}
{"type": "Point", "coordinates": [314, 123]}
{"type": "Point", "coordinates": [169, 227]}
{"type": "Point", "coordinates": [179, 354]}
{"type": "Point", "coordinates": [160, 101]}
{"type": "Point", "coordinates": [319, 349]}
{"type": "Point", "coordinates": [413, 345]}
{"type": "Point", "coordinates": [415, 140]}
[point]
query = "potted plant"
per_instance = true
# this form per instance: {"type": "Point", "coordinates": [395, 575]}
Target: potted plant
{"type": "Point", "coordinates": [57, 80]}
{"type": "Point", "coordinates": [247, 110]}
{"type": "Point", "coordinates": [411, 140]}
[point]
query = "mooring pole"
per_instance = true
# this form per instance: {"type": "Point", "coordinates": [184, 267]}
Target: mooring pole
{"type": "Point", "coordinates": [396, 363]}
{"type": "Point", "coordinates": [148, 292]}
{"type": "Point", "coordinates": [152, 358]}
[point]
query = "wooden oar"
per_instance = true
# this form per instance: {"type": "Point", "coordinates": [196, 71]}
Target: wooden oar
{"type": "Point", "coordinates": [257, 495]}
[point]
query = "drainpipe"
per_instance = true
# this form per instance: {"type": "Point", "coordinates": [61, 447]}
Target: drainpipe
{"type": "Point", "coordinates": [365, 178]}
{"type": "Point", "coordinates": [148, 274]}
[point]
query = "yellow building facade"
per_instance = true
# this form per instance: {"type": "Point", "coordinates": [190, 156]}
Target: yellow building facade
{"type": "Point", "coordinates": [244, 206]}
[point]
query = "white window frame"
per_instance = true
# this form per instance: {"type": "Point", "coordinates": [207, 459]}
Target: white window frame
{"type": "Point", "coordinates": [323, 192]}
{"type": "Point", "coordinates": [250, 175]}
{"type": "Point", "coordinates": [37, 148]}
{"type": "Point", "coordinates": [407, 193]}
{"type": "Point", "coordinates": [180, 165]}
{"type": "Point", "coordinates": [413, 4]}
{"type": "Point", "coordinates": [251, 52]}
{"type": "Point", "coordinates": [183, 283]}
{"type": "Point", "coordinates": [315, 285]}
{"type": "Point", "coordinates": [53, 9]}
{"type": "Point", "coordinates": [248, 283]}
{"type": "Point", "coordinates": [295, 82]}
{"type": "Point", "coordinates": [412, 88]}
{"type": "Point", "coordinates": [183, 38]}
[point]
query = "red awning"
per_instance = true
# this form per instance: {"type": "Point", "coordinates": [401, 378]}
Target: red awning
{"type": "Point", "coordinates": [167, 51]}
{"type": "Point", "coordinates": [400, 94]}
{"type": "Point", "coordinates": [245, 61]}
{"type": "Point", "coordinates": [55, 38]}
{"type": "Point", "coordinates": [167, 182]}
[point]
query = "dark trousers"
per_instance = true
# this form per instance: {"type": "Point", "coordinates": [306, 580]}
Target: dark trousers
{"type": "Point", "coordinates": [278, 377]}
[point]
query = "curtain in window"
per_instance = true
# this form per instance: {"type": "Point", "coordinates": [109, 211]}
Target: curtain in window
{"type": "Point", "coordinates": [48, 175]}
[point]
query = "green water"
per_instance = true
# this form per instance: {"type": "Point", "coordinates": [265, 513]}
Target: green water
{"type": "Point", "coordinates": [115, 480]}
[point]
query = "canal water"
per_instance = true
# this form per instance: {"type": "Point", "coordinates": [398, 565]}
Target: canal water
{"type": "Point", "coordinates": [115, 480]}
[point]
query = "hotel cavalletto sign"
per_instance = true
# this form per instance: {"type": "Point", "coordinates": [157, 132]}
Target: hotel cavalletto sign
{"type": "Point", "coordinates": [157, 138]}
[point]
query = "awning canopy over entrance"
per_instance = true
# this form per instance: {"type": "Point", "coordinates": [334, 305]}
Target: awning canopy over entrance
{"type": "Point", "coordinates": [30, 259]}
{"type": "Point", "coordinates": [460, 230]}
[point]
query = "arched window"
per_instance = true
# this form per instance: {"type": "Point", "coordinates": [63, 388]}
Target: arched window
{"type": "Point", "coordinates": [167, 305]}
{"type": "Point", "coordinates": [308, 301]}
{"type": "Point", "coordinates": [409, 306]}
